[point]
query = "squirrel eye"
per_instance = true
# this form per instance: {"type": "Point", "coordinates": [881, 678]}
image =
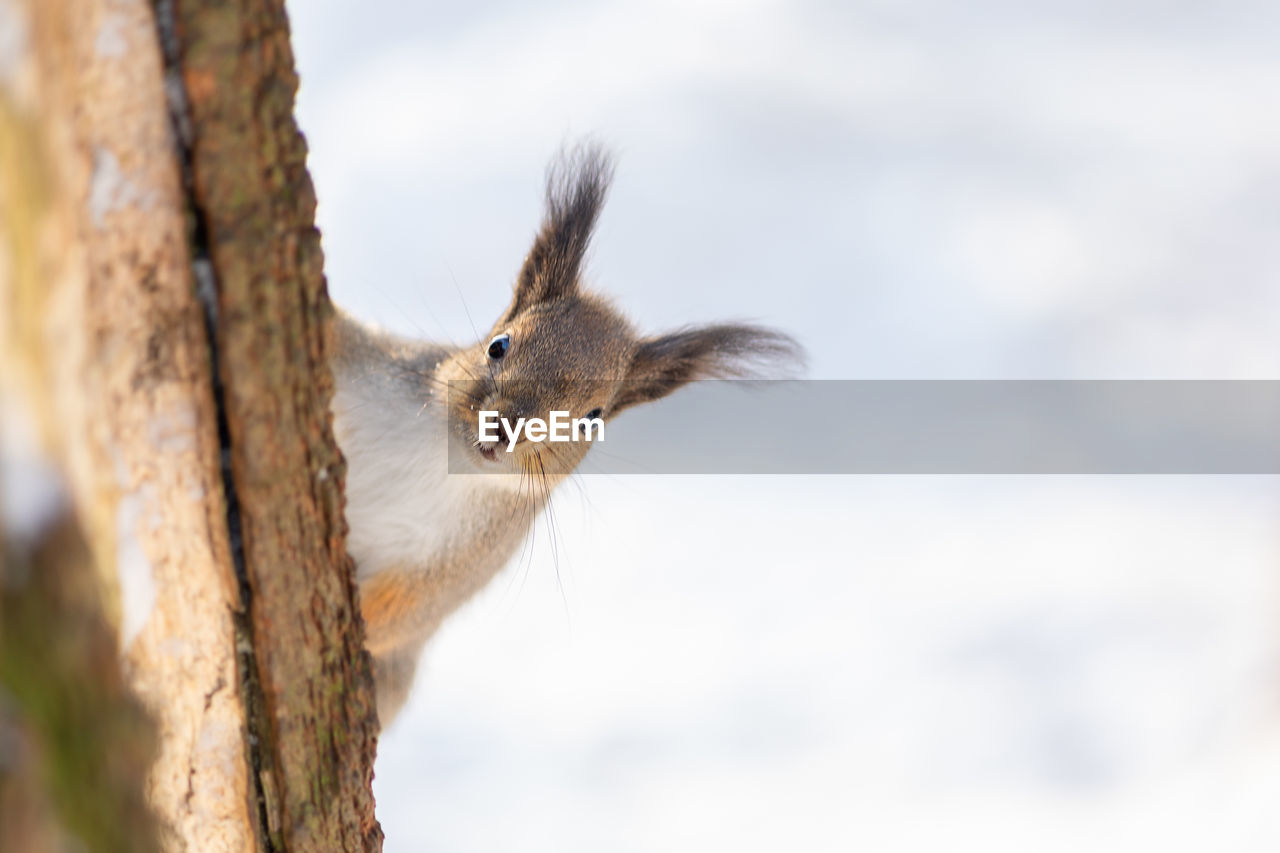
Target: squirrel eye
{"type": "Point", "coordinates": [595, 413]}
{"type": "Point", "coordinates": [498, 346]}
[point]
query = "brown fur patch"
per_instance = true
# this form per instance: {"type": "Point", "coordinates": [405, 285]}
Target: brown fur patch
{"type": "Point", "coordinates": [390, 602]}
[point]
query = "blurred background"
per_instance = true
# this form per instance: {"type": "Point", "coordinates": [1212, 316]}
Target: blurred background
{"type": "Point", "coordinates": [914, 189]}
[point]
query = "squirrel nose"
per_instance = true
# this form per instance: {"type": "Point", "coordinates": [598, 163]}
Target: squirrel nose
{"type": "Point", "coordinates": [510, 409]}
{"type": "Point", "coordinates": [502, 435]}
{"type": "Point", "coordinates": [507, 414]}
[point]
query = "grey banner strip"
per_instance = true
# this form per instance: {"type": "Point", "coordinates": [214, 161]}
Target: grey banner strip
{"type": "Point", "coordinates": [948, 427]}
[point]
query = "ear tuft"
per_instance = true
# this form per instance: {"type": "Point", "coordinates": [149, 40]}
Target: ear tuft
{"type": "Point", "coordinates": [725, 351]}
{"type": "Point", "coordinates": [577, 183]}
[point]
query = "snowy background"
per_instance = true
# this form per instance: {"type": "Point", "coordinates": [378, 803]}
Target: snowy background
{"type": "Point", "coordinates": [916, 190]}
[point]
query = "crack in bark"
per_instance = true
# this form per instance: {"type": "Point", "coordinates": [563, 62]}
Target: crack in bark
{"type": "Point", "coordinates": [257, 721]}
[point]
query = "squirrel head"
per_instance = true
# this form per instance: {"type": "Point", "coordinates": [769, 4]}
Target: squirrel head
{"type": "Point", "coordinates": [559, 347]}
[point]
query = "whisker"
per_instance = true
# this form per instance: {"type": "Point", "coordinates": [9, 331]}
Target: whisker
{"type": "Point", "coordinates": [530, 540]}
{"type": "Point", "coordinates": [443, 383]}
{"type": "Point", "coordinates": [552, 532]}
{"type": "Point", "coordinates": [474, 330]}
{"type": "Point", "coordinates": [382, 291]}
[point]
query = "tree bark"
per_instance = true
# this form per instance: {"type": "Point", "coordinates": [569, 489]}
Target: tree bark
{"type": "Point", "coordinates": [254, 206]}
{"type": "Point", "coordinates": [164, 320]}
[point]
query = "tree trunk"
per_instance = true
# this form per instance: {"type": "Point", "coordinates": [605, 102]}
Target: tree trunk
{"type": "Point", "coordinates": [165, 324]}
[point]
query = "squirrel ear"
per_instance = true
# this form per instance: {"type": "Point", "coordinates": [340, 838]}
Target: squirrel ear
{"type": "Point", "coordinates": [577, 182]}
{"type": "Point", "coordinates": [727, 351]}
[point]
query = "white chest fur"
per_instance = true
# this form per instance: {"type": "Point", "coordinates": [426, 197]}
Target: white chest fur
{"type": "Point", "coordinates": [404, 508]}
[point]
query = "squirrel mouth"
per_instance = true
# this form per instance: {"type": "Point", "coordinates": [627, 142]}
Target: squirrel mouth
{"type": "Point", "coordinates": [488, 452]}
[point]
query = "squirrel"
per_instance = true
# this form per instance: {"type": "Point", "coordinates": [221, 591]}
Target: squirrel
{"type": "Point", "coordinates": [424, 535]}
